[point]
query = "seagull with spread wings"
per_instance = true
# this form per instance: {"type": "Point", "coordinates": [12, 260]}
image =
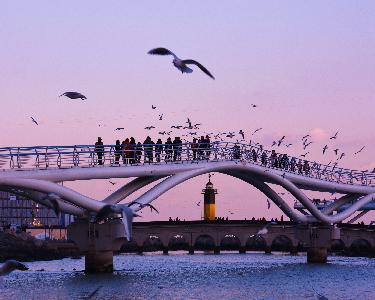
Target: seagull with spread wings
{"type": "Point", "coordinates": [180, 64]}
{"type": "Point", "coordinates": [74, 95]}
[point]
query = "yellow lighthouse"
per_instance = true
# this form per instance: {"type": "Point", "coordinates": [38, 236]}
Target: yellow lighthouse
{"type": "Point", "coordinates": [209, 200]}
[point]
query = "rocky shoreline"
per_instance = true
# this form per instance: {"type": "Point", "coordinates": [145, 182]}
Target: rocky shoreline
{"type": "Point", "coordinates": [24, 247]}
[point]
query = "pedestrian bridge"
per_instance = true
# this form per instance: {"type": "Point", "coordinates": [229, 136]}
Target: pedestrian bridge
{"type": "Point", "coordinates": [37, 171]}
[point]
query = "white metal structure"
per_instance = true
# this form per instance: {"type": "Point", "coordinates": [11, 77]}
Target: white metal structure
{"type": "Point", "coordinates": [36, 171]}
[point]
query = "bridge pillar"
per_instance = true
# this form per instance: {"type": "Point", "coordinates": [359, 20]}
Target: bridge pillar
{"type": "Point", "coordinates": [317, 239]}
{"type": "Point", "coordinates": [97, 242]}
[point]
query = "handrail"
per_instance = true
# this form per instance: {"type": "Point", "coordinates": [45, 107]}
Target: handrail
{"type": "Point", "coordinates": [26, 158]}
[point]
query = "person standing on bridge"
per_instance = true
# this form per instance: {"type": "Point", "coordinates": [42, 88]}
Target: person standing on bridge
{"type": "Point", "coordinates": [133, 148]}
{"type": "Point", "coordinates": [118, 151]}
{"type": "Point", "coordinates": [125, 151]}
{"type": "Point", "coordinates": [158, 149]}
{"type": "Point", "coordinates": [168, 149]}
{"type": "Point", "coordinates": [99, 150]}
{"type": "Point", "coordinates": [208, 147]}
{"type": "Point", "coordinates": [194, 147]}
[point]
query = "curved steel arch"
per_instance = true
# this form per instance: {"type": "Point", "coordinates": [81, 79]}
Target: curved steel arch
{"type": "Point", "coordinates": [38, 197]}
{"type": "Point", "coordinates": [50, 187]}
{"type": "Point", "coordinates": [130, 188]}
{"type": "Point", "coordinates": [176, 179]}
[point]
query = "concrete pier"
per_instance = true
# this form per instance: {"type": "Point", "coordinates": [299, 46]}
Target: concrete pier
{"type": "Point", "coordinates": [97, 242]}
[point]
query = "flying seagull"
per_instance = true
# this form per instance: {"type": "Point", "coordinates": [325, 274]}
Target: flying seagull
{"type": "Point", "coordinates": [280, 141]}
{"type": "Point", "coordinates": [149, 127]}
{"type": "Point", "coordinates": [74, 95]}
{"type": "Point", "coordinates": [360, 150]}
{"type": "Point", "coordinates": [305, 137]}
{"type": "Point", "coordinates": [34, 121]}
{"type": "Point", "coordinates": [264, 230]}
{"type": "Point", "coordinates": [126, 212]}
{"type": "Point", "coordinates": [111, 182]}
{"type": "Point", "coordinates": [143, 205]}
{"type": "Point", "coordinates": [256, 130]}
{"type": "Point", "coordinates": [120, 128]}
{"type": "Point", "coordinates": [253, 105]}
{"type": "Point", "coordinates": [242, 134]}
{"type": "Point", "coordinates": [11, 265]}
{"type": "Point", "coordinates": [325, 148]}
{"type": "Point", "coordinates": [153, 107]}
{"type": "Point", "coordinates": [52, 200]}
{"type": "Point", "coordinates": [161, 117]}
{"type": "Point", "coordinates": [180, 64]}
{"type": "Point", "coordinates": [334, 136]}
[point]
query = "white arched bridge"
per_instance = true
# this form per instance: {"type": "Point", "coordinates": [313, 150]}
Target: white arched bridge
{"type": "Point", "coordinates": [36, 172]}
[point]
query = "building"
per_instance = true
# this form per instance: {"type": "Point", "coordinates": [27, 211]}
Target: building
{"type": "Point", "coordinates": [20, 211]}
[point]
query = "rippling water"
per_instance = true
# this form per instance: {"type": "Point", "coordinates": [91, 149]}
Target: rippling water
{"type": "Point", "coordinates": [199, 276]}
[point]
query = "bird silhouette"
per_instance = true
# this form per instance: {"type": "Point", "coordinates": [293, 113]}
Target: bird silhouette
{"type": "Point", "coordinates": [111, 182]}
{"type": "Point", "coordinates": [34, 121]}
{"type": "Point", "coordinates": [153, 107]}
{"type": "Point", "coordinates": [180, 64]}
{"type": "Point", "coordinates": [120, 128]}
{"type": "Point", "coordinates": [325, 148]}
{"type": "Point", "coordinates": [306, 145]}
{"type": "Point", "coordinates": [359, 151]}
{"type": "Point", "coordinates": [253, 105]}
{"type": "Point", "coordinates": [52, 200]}
{"type": "Point", "coordinates": [336, 151]}
{"type": "Point", "coordinates": [161, 117]}
{"type": "Point", "coordinates": [306, 136]}
{"type": "Point", "coordinates": [280, 140]}
{"type": "Point", "coordinates": [256, 130]}
{"type": "Point", "coordinates": [242, 134]}
{"type": "Point", "coordinates": [304, 155]}
{"type": "Point", "coordinates": [334, 136]}
{"type": "Point", "coordinates": [74, 95]}
{"type": "Point", "coordinates": [150, 127]}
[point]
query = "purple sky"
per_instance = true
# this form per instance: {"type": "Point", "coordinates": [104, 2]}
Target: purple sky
{"type": "Point", "coordinates": [309, 66]}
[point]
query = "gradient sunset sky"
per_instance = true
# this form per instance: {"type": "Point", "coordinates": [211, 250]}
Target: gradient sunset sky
{"type": "Point", "coordinates": [308, 65]}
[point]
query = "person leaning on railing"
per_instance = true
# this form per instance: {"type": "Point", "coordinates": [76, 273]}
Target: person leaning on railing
{"type": "Point", "coordinates": [99, 150]}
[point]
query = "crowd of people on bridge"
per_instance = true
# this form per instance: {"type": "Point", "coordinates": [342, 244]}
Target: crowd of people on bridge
{"type": "Point", "coordinates": [131, 152]}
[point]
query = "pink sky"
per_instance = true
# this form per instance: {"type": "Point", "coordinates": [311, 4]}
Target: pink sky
{"type": "Point", "coordinates": [309, 66]}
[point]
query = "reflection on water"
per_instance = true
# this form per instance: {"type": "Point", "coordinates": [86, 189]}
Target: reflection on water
{"type": "Point", "coordinates": [198, 276]}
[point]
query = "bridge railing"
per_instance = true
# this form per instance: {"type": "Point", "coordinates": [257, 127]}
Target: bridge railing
{"type": "Point", "coordinates": [45, 157]}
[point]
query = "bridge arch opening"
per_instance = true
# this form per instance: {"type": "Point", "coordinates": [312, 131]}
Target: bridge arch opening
{"type": "Point", "coordinates": [204, 242]}
{"type": "Point", "coordinates": [230, 242]}
{"type": "Point", "coordinates": [360, 247]}
{"type": "Point", "coordinates": [282, 243]}
{"type": "Point", "coordinates": [256, 243]}
{"type": "Point", "coordinates": [337, 246]}
{"type": "Point", "coordinates": [153, 243]}
{"type": "Point", "coordinates": [178, 242]}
